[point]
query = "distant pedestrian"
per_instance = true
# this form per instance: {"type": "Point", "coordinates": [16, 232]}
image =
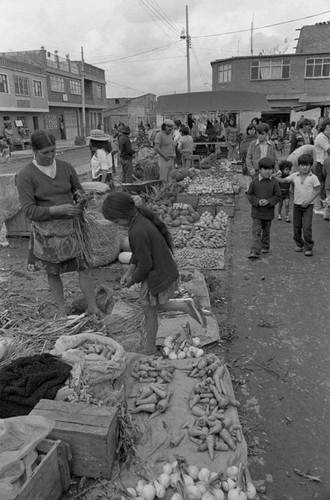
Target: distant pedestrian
{"type": "Point", "coordinates": [251, 135]}
{"type": "Point", "coordinates": [165, 147]}
{"type": "Point", "coordinates": [186, 147]}
{"type": "Point", "coordinates": [126, 153]}
{"type": "Point", "coordinates": [285, 168]}
{"type": "Point", "coordinates": [262, 147]}
{"type": "Point", "coordinates": [302, 136]}
{"type": "Point", "coordinates": [176, 137]}
{"type": "Point", "coordinates": [101, 160]}
{"type": "Point", "coordinates": [263, 194]}
{"type": "Point", "coordinates": [322, 151]}
{"type": "Point", "coordinates": [232, 141]}
{"type": "Point", "coordinates": [306, 189]}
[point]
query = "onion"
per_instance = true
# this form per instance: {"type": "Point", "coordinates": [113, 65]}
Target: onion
{"type": "Point", "coordinates": [176, 496]}
{"type": "Point", "coordinates": [207, 496]}
{"type": "Point", "coordinates": [164, 479]}
{"type": "Point", "coordinates": [187, 479]}
{"type": "Point", "coordinates": [196, 341]}
{"type": "Point", "coordinates": [167, 468]}
{"type": "Point", "coordinates": [174, 478]}
{"type": "Point", "coordinates": [251, 491]}
{"type": "Point", "coordinates": [160, 489]}
{"type": "Point", "coordinates": [204, 474]}
{"type": "Point", "coordinates": [148, 492]}
{"type": "Point", "coordinates": [218, 494]}
{"type": "Point", "coordinates": [201, 486]}
{"type": "Point", "coordinates": [139, 487]}
{"type": "Point", "coordinates": [193, 471]}
{"type": "Point", "coordinates": [174, 466]}
{"type": "Point", "coordinates": [192, 492]}
{"type": "Point", "coordinates": [172, 355]}
{"type": "Point", "coordinates": [199, 353]}
{"type": "Point", "coordinates": [236, 494]}
{"type": "Point", "coordinates": [213, 475]}
{"type": "Point", "coordinates": [166, 350]}
{"type": "Point", "coordinates": [182, 355]}
{"type": "Point", "coordinates": [232, 472]}
{"type": "Point", "coordinates": [168, 342]}
{"type": "Point", "coordinates": [132, 492]}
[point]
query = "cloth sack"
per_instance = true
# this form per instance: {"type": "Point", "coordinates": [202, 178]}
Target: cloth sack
{"type": "Point", "coordinates": [55, 240]}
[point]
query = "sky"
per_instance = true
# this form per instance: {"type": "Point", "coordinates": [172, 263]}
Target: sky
{"type": "Point", "coordinates": [138, 44]}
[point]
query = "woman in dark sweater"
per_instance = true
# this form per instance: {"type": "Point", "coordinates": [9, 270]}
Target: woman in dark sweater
{"type": "Point", "coordinates": [46, 189]}
{"type": "Point", "coordinates": [152, 263]}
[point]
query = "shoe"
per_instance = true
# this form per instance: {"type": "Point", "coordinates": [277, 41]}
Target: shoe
{"type": "Point", "coordinates": [298, 249]}
{"type": "Point", "coordinates": [309, 253]}
{"type": "Point", "coordinates": [318, 212]}
{"type": "Point", "coordinates": [279, 217]}
{"type": "Point", "coordinates": [195, 311]}
{"type": "Point", "coordinates": [264, 250]}
{"type": "Point", "coordinates": [253, 256]}
{"type": "Point", "coordinates": [287, 219]}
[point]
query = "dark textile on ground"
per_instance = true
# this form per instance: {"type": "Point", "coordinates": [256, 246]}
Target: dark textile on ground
{"type": "Point", "coordinates": [26, 380]}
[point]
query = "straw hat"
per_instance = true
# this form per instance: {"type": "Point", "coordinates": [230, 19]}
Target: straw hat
{"type": "Point", "coordinates": [98, 135]}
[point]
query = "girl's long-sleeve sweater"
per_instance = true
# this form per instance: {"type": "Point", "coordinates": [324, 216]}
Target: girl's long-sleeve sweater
{"type": "Point", "coordinates": [38, 192]}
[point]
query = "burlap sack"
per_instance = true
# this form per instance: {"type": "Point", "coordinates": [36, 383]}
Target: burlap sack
{"type": "Point", "coordinates": [105, 243]}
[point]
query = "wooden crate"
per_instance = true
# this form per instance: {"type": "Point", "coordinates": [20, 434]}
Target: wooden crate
{"type": "Point", "coordinates": [229, 209]}
{"type": "Point", "coordinates": [189, 199]}
{"type": "Point", "coordinates": [51, 478]}
{"type": "Point", "coordinates": [89, 430]}
{"type": "Point", "coordinates": [18, 225]}
{"type": "Point", "coordinates": [207, 208]}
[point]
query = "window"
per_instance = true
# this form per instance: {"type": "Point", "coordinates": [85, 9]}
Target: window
{"type": "Point", "coordinates": [4, 84]}
{"type": "Point", "coordinates": [99, 92]}
{"type": "Point", "coordinates": [22, 85]}
{"type": "Point", "coordinates": [278, 69]}
{"type": "Point", "coordinates": [224, 73]}
{"type": "Point", "coordinates": [56, 84]}
{"type": "Point", "coordinates": [37, 88]}
{"type": "Point", "coordinates": [318, 67]}
{"type": "Point", "coordinates": [75, 87]}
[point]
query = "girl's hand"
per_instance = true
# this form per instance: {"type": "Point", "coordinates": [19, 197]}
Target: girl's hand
{"type": "Point", "coordinates": [126, 280]}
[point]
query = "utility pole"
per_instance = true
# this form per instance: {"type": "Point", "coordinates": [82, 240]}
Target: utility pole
{"type": "Point", "coordinates": [83, 111]}
{"type": "Point", "coordinates": [251, 41]}
{"type": "Point", "coordinates": [185, 36]}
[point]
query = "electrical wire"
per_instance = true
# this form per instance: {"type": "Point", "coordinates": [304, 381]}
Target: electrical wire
{"type": "Point", "coordinates": [137, 54]}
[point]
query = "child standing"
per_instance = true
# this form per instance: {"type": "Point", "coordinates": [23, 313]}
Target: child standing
{"type": "Point", "coordinates": [152, 263]}
{"type": "Point", "coordinates": [306, 189]}
{"type": "Point", "coordinates": [186, 147]}
{"type": "Point", "coordinates": [263, 194]}
{"type": "Point", "coordinates": [285, 168]}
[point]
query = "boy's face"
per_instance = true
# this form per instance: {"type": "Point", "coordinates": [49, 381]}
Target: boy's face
{"type": "Point", "coordinates": [262, 136]}
{"type": "Point", "coordinates": [286, 171]}
{"type": "Point", "coordinates": [304, 169]}
{"type": "Point", "coordinates": [266, 173]}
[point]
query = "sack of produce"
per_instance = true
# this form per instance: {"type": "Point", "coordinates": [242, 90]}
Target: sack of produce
{"type": "Point", "coordinates": [104, 358]}
{"type": "Point", "coordinates": [105, 243]}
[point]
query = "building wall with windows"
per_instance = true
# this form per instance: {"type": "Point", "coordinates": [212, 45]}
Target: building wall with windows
{"type": "Point", "coordinates": [63, 82]}
{"type": "Point", "coordinates": [23, 99]}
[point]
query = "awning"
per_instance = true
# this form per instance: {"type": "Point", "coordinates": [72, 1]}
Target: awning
{"type": "Point", "coordinates": [314, 101]}
{"type": "Point", "coordinates": [221, 100]}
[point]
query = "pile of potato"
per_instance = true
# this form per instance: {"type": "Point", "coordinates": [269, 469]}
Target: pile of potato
{"type": "Point", "coordinates": [176, 215]}
{"type": "Point", "coordinates": [207, 221]}
{"type": "Point", "coordinates": [209, 185]}
{"type": "Point", "coordinates": [204, 258]}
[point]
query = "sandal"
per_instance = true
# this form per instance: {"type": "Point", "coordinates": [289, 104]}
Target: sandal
{"type": "Point", "coordinates": [287, 219]}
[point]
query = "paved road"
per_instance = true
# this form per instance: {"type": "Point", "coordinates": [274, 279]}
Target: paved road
{"type": "Point", "coordinates": [281, 358]}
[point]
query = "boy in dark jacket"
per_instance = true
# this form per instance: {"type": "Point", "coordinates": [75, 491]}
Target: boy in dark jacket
{"type": "Point", "coordinates": [263, 193]}
{"type": "Point", "coordinates": [126, 154]}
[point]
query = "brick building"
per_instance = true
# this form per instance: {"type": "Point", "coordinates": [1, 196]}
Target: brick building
{"type": "Point", "coordinates": [62, 87]}
{"type": "Point", "coordinates": [293, 83]}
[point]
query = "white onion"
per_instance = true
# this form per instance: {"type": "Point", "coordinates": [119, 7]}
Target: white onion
{"type": "Point", "coordinates": [174, 478]}
{"type": "Point", "coordinates": [139, 487]}
{"type": "Point", "coordinates": [251, 491]}
{"type": "Point", "coordinates": [166, 350]}
{"type": "Point", "coordinates": [218, 494]}
{"type": "Point", "coordinates": [164, 479]}
{"type": "Point", "coordinates": [172, 355]}
{"type": "Point", "coordinates": [187, 479]}
{"type": "Point", "coordinates": [236, 494]}
{"type": "Point", "coordinates": [199, 353]}
{"type": "Point", "coordinates": [232, 472]}
{"type": "Point", "coordinates": [193, 471]}
{"type": "Point", "coordinates": [231, 483]}
{"type": "Point", "coordinates": [192, 492]}
{"type": "Point", "coordinates": [176, 496]}
{"type": "Point", "coordinates": [148, 492]}
{"type": "Point", "coordinates": [182, 355]}
{"type": "Point", "coordinates": [213, 475]}
{"type": "Point", "coordinates": [160, 489]}
{"type": "Point", "coordinates": [167, 468]}
{"type": "Point", "coordinates": [201, 486]}
{"type": "Point", "coordinates": [196, 341]}
{"type": "Point", "coordinates": [204, 474]}
{"type": "Point", "coordinates": [132, 492]}
{"type": "Point", "coordinates": [174, 466]}
{"type": "Point", "coordinates": [207, 496]}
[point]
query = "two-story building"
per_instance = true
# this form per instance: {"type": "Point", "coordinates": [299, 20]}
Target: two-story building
{"type": "Point", "coordinates": [23, 99]}
{"type": "Point", "coordinates": [293, 83]}
{"type": "Point", "coordinates": [70, 87]}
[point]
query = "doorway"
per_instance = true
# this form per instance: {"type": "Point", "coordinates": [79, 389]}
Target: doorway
{"type": "Point", "coordinates": [35, 123]}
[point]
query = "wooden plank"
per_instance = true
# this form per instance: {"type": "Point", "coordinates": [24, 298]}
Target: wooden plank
{"type": "Point", "coordinates": [59, 416]}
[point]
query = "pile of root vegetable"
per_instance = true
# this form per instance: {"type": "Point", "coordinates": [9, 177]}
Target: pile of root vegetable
{"type": "Point", "coordinates": [211, 182]}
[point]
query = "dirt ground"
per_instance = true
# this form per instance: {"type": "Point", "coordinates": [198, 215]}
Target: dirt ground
{"type": "Point", "coordinates": [273, 316]}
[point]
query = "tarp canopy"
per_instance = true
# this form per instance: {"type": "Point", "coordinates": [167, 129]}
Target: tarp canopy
{"type": "Point", "coordinates": [219, 100]}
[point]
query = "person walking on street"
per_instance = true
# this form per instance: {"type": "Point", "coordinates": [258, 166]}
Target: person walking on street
{"type": "Point", "coordinates": [152, 263]}
{"type": "Point", "coordinates": [165, 147]}
{"type": "Point", "coordinates": [322, 151]}
{"type": "Point", "coordinates": [306, 188]}
{"type": "Point", "coordinates": [285, 168]}
{"type": "Point", "coordinates": [126, 152]}
{"type": "Point", "coordinates": [303, 135]}
{"type": "Point", "coordinates": [262, 147]}
{"type": "Point", "coordinates": [186, 147]}
{"type": "Point", "coordinates": [263, 194]}
{"type": "Point", "coordinates": [232, 140]}
{"type": "Point", "coordinates": [46, 188]}
{"type": "Point", "coordinates": [251, 135]}
{"type": "Point", "coordinates": [101, 161]}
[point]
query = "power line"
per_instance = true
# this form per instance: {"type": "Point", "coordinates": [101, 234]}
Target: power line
{"type": "Point", "coordinates": [137, 54]}
{"type": "Point", "coordinates": [262, 27]}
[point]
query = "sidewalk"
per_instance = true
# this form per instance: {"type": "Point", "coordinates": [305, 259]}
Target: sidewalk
{"type": "Point", "coordinates": [60, 146]}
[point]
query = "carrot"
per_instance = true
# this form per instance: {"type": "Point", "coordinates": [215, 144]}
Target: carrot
{"type": "Point", "coordinates": [166, 376]}
{"type": "Point", "coordinates": [149, 408]}
{"type": "Point", "coordinates": [193, 401]}
{"type": "Point", "coordinates": [197, 411]}
{"type": "Point", "coordinates": [221, 446]}
{"type": "Point", "coordinates": [234, 402]}
{"type": "Point", "coordinates": [155, 414]}
{"type": "Point", "coordinates": [202, 363]}
{"type": "Point", "coordinates": [217, 395]}
{"type": "Point", "coordinates": [144, 392]}
{"type": "Point", "coordinates": [223, 386]}
{"type": "Point", "coordinates": [163, 403]}
{"type": "Point", "coordinates": [224, 402]}
{"type": "Point", "coordinates": [150, 399]}
{"type": "Point", "coordinates": [217, 375]}
{"type": "Point", "coordinates": [216, 428]}
{"type": "Point", "coordinates": [197, 432]}
{"type": "Point", "coordinates": [195, 440]}
{"type": "Point", "coordinates": [176, 440]}
{"type": "Point", "coordinates": [160, 392]}
{"type": "Point", "coordinates": [210, 445]}
{"type": "Point", "coordinates": [226, 436]}
{"type": "Point", "coordinates": [202, 446]}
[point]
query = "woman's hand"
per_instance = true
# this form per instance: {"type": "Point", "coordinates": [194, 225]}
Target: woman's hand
{"type": "Point", "coordinates": [65, 211]}
{"type": "Point", "coordinates": [126, 280]}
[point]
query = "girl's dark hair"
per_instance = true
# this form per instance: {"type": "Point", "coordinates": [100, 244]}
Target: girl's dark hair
{"type": "Point", "coordinates": [184, 130]}
{"type": "Point", "coordinates": [255, 119]}
{"type": "Point", "coordinates": [121, 205]}
{"type": "Point", "coordinates": [284, 164]}
{"type": "Point", "coordinates": [41, 139]}
{"type": "Point", "coordinates": [106, 145]}
{"type": "Point", "coordinates": [178, 123]}
{"type": "Point", "coordinates": [250, 127]}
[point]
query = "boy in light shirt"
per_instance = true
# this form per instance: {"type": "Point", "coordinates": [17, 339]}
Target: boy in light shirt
{"type": "Point", "coordinates": [306, 189]}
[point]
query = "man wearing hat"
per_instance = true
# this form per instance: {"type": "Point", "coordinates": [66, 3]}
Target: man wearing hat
{"type": "Point", "coordinates": [165, 147]}
{"type": "Point", "coordinates": [126, 153]}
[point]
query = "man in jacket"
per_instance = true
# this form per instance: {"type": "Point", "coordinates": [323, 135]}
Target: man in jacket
{"type": "Point", "coordinates": [262, 147]}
